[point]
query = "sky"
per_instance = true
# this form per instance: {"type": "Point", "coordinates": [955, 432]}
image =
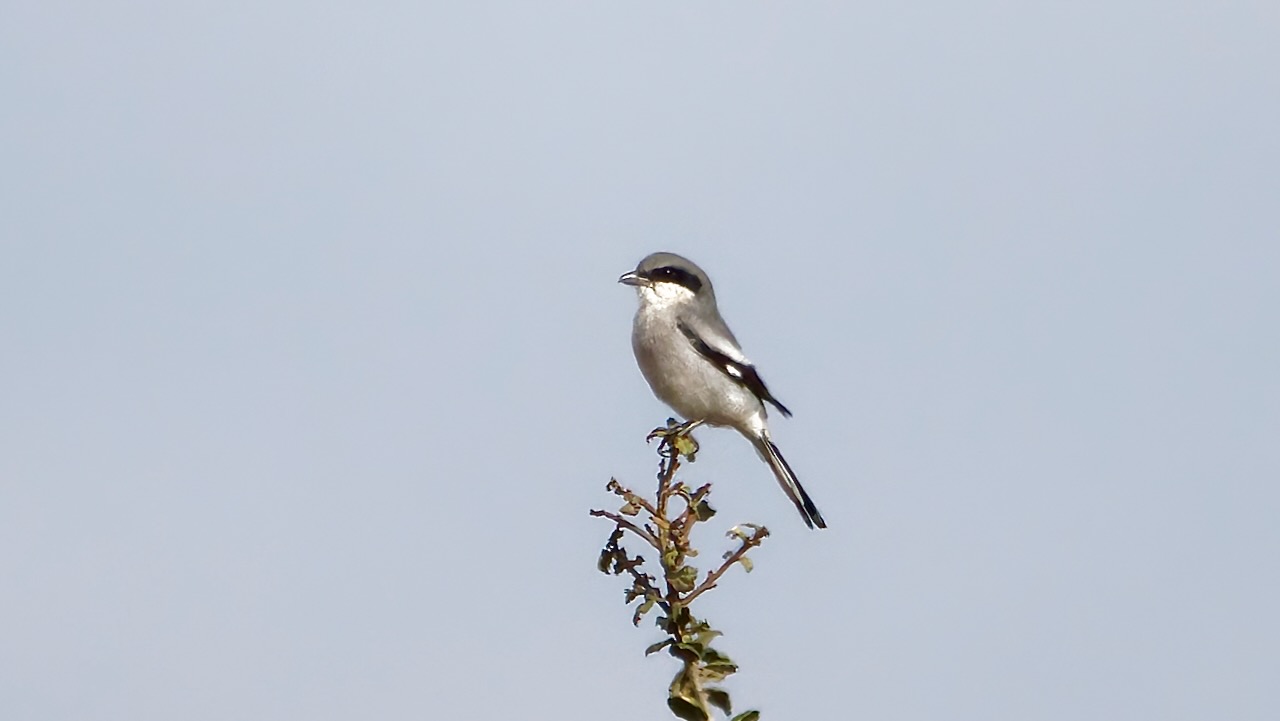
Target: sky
{"type": "Point", "coordinates": [314, 359]}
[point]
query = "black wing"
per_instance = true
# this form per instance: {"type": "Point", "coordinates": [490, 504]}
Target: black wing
{"type": "Point", "coordinates": [743, 373]}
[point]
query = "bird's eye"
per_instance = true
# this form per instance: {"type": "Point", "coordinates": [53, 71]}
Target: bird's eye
{"type": "Point", "coordinates": [679, 276]}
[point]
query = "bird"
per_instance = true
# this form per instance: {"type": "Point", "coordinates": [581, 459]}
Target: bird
{"type": "Point", "coordinates": [694, 364]}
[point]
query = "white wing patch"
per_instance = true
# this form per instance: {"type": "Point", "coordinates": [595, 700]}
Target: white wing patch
{"type": "Point", "coordinates": [741, 371]}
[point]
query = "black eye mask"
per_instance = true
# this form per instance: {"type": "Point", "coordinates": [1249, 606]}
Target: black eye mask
{"type": "Point", "coordinates": [679, 276]}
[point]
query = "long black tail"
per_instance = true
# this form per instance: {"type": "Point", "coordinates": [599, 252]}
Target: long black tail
{"type": "Point", "coordinates": [790, 484]}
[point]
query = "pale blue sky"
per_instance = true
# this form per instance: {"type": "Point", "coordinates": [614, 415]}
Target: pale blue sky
{"type": "Point", "coordinates": [314, 359]}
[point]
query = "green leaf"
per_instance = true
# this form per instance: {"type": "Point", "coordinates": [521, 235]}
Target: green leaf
{"type": "Point", "coordinates": [703, 511]}
{"type": "Point", "coordinates": [716, 665]}
{"type": "Point", "coordinates": [719, 671]}
{"type": "Point", "coordinates": [740, 531]}
{"type": "Point", "coordinates": [670, 558]}
{"type": "Point", "coordinates": [746, 564]}
{"type": "Point", "coordinates": [688, 711]}
{"type": "Point", "coordinates": [684, 579]}
{"type": "Point", "coordinates": [706, 634]}
{"type": "Point", "coordinates": [657, 647]}
{"type": "Point", "coordinates": [751, 715]}
{"type": "Point", "coordinates": [685, 446]}
{"type": "Point", "coordinates": [687, 651]}
{"type": "Point", "coordinates": [712, 656]}
{"type": "Point", "coordinates": [684, 700]}
{"type": "Point", "coordinates": [641, 611]}
{"type": "Point", "coordinates": [682, 617]}
{"type": "Point", "coordinates": [719, 698]}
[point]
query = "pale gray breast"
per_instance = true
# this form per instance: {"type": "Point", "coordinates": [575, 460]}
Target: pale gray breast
{"type": "Point", "coordinates": [682, 378]}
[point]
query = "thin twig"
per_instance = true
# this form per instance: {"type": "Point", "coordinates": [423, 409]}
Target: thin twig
{"type": "Point", "coordinates": [691, 504]}
{"type": "Point", "coordinates": [666, 474]}
{"type": "Point", "coordinates": [624, 523]}
{"type": "Point", "coordinates": [631, 497]}
{"type": "Point", "coordinates": [710, 582]}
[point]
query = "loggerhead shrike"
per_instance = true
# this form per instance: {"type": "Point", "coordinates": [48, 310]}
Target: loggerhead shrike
{"type": "Point", "coordinates": [695, 365]}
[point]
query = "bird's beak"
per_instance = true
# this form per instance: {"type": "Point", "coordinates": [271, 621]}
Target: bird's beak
{"type": "Point", "coordinates": [633, 278]}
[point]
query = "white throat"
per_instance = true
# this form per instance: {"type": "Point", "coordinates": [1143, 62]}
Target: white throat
{"type": "Point", "coordinates": [661, 296]}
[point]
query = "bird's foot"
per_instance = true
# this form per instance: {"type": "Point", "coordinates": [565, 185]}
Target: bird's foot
{"type": "Point", "coordinates": [676, 438]}
{"type": "Point", "coordinates": [673, 429]}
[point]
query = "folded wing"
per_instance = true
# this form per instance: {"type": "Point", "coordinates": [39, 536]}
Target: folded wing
{"type": "Point", "coordinates": [715, 343]}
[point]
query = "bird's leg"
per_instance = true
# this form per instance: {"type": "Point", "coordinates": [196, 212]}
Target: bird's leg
{"type": "Point", "coordinates": [686, 428]}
